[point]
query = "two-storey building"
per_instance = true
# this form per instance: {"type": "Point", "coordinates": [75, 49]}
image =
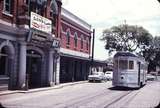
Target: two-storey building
{"type": "Point", "coordinates": [75, 48]}
{"type": "Point", "coordinates": [41, 44]}
{"type": "Point", "coordinates": [29, 31]}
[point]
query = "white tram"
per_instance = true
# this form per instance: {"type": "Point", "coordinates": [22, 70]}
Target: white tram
{"type": "Point", "coordinates": [129, 70]}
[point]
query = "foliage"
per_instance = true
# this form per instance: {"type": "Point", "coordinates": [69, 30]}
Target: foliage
{"type": "Point", "coordinates": [126, 38]}
{"type": "Point", "coordinates": [152, 54]}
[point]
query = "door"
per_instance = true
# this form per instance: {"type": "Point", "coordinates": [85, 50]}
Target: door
{"type": "Point", "coordinates": [34, 62]}
{"type": "Point", "coordinates": [139, 71]}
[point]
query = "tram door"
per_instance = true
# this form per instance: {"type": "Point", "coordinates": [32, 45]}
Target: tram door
{"type": "Point", "coordinates": [139, 71]}
{"type": "Point", "coordinates": [33, 69]}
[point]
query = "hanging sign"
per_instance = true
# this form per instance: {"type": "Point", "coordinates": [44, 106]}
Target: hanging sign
{"type": "Point", "coordinates": [40, 23]}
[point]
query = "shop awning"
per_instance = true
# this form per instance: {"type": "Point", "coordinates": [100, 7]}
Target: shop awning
{"type": "Point", "coordinates": [76, 57]}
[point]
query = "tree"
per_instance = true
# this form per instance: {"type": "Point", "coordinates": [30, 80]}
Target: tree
{"type": "Point", "coordinates": [126, 38]}
{"type": "Point", "coordinates": [152, 54]}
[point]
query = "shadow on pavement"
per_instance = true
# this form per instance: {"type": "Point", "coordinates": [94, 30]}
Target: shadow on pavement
{"type": "Point", "coordinates": [122, 88]}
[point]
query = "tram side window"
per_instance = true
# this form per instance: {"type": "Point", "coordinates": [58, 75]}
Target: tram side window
{"type": "Point", "coordinates": [131, 65]}
{"type": "Point", "coordinates": [115, 64]}
{"type": "Point", "coordinates": [123, 64]}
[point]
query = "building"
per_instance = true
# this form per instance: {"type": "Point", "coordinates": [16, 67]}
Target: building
{"type": "Point", "coordinates": [75, 48]}
{"type": "Point", "coordinates": [41, 44]}
{"type": "Point", "coordinates": [29, 43]}
{"type": "Point", "coordinates": [99, 66]}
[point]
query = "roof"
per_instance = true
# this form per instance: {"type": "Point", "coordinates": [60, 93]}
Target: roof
{"type": "Point", "coordinates": [65, 13]}
{"type": "Point", "coordinates": [125, 54]}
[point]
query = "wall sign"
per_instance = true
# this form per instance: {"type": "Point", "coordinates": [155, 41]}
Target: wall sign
{"type": "Point", "coordinates": [40, 23]}
{"type": "Point", "coordinates": [55, 44]}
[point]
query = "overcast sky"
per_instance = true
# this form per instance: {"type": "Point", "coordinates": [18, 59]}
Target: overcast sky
{"type": "Point", "coordinates": [103, 14]}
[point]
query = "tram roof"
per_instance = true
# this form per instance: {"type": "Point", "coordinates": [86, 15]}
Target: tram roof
{"type": "Point", "coordinates": [125, 54]}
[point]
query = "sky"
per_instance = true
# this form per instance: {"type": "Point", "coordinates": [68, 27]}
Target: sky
{"type": "Point", "coordinates": [103, 14]}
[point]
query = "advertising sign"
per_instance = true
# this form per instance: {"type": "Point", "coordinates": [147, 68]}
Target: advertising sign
{"type": "Point", "coordinates": [40, 23]}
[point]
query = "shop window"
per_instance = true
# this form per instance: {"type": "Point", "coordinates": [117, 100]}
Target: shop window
{"type": "Point", "coordinates": [68, 37]}
{"type": "Point", "coordinates": [75, 39]}
{"type": "Point", "coordinates": [7, 6]}
{"type": "Point", "coordinates": [81, 41]}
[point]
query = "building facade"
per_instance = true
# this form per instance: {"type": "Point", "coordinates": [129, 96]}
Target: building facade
{"type": "Point", "coordinates": [75, 50]}
{"type": "Point", "coordinates": [41, 44]}
{"type": "Point", "coordinates": [29, 43]}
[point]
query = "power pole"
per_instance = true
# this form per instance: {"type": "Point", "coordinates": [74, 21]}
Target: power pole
{"type": "Point", "coordinates": [92, 59]}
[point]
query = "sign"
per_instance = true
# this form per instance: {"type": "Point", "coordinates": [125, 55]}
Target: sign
{"type": "Point", "coordinates": [40, 23]}
{"type": "Point", "coordinates": [55, 44]}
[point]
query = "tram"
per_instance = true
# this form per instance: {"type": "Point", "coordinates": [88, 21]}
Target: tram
{"type": "Point", "coordinates": [129, 70]}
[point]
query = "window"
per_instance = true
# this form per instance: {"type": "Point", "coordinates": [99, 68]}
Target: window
{"type": "Point", "coordinates": [68, 37]}
{"type": "Point", "coordinates": [123, 64]}
{"type": "Point", "coordinates": [4, 62]}
{"type": "Point", "coordinates": [115, 64]}
{"type": "Point", "coordinates": [87, 43]}
{"type": "Point", "coordinates": [26, 1]}
{"type": "Point", "coordinates": [7, 6]}
{"type": "Point", "coordinates": [81, 41]}
{"type": "Point", "coordinates": [75, 39]}
{"type": "Point", "coordinates": [131, 65]}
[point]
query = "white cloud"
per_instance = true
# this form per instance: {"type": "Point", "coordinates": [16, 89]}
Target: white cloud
{"type": "Point", "coordinates": [103, 14]}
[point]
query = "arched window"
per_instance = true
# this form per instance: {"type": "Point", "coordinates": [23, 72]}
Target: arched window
{"type": "Point", "coordinates": [7, 6]}
{"type": "Point", "coordinates": [68, 37]}
{"type": "Point", "coordinates": [75, 39]}
{"type": "Point", "coordinates": [4, 63]}
{"type": "Point", "coordinates": [81, 41]}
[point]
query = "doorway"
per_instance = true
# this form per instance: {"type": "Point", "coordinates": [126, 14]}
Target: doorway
{"type": "Point", "coordinates": [34, 62]}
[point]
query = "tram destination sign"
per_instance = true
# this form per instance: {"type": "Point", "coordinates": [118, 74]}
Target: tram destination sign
{"type": "Point", "coordinates": [40, 23]}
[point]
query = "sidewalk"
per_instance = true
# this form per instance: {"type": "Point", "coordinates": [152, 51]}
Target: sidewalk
{"type": "Point", "coordinates": [7, 92]}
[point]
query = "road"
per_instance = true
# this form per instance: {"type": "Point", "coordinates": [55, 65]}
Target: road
{"type": "Point", "coordinates": [87, 95]}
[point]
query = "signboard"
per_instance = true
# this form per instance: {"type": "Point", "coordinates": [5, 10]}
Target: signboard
{"type": "Point", "coordinates": [40, 23]}
{"type": "Point", "coordinates": [55, 44]}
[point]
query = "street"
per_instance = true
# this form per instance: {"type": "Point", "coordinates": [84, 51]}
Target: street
{"type": "Point", "coordinates": [87, 95]}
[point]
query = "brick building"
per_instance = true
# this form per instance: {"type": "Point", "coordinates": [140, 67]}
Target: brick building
{"type": "Point", "coordinates": [41, 44]}
{"type": "Point", "coordinates": [75, 48]}
{"type": "Point", "coordinates": [28, 42]}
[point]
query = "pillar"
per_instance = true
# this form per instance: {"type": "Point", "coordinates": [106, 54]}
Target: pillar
{"type": "Point", "coordinates": [50, 69]}
{"type": "Point", "coordinates": [57, 73]}
{"type": "Point", "coordinates": [22, 66]}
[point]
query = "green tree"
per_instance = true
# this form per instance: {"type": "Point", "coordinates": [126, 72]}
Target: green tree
{"type": "Point", "coordinates": [126, 38]}
{"type": "Point", "coordinates": [152, 54]}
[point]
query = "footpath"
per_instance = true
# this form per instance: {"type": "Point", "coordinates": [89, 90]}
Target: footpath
{"type": "Point", "coordinates": [7, 92]}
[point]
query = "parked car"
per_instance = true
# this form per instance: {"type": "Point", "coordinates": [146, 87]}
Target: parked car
{"type": "Point", "coordinates": [109, 75]}
{"type": "Point", "coordinates": [96, 76]}
{"type": "Point", "coordinates": [150, 77]}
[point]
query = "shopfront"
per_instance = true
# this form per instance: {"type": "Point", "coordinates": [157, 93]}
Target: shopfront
{"type": "Point", "coordinates": [73, 69]}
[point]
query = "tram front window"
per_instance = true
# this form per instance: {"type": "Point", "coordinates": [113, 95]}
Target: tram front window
{"type": "Point", "coordinates": [123, 64]}
{"type": "Point", "coordinates": [131, 65]}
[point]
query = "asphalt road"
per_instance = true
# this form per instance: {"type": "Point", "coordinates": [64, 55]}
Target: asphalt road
{"type": "Point", "coordinates": [87, 95]}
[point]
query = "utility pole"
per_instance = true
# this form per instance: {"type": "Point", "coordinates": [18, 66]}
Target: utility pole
{"type": "Point", "coordinates": [92, 60]}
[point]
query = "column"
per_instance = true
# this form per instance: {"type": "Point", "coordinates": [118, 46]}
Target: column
{"type": "Point", "coordinates": [50, 69]}
{"type": "Point", "coordinates": [22, 66]}
{"type": "Point", "coordinates": [57, 76]}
